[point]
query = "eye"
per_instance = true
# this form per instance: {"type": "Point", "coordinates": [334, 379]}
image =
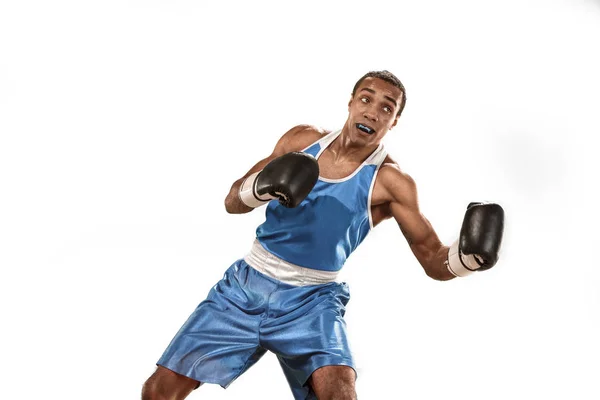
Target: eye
{"type": "Point", "coordinates": [387, 109]}
{"type": "Point", "coordinates": [364, 99]}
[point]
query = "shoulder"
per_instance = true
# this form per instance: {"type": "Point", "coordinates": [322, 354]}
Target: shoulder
{"type": "Point", "coordinates": [300, 137]}
{"type": "Point", "coordinates": [305, 132]}
{"type": "Point", "coordinates": [390, 173]}
{"type": "Point", "coordinates": [398, 184]}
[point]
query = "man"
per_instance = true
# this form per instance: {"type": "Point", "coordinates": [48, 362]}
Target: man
{"type": "Point", "coordinates": [332, 189]}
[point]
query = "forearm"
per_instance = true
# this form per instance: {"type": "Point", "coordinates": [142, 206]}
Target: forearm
{"type": "Point", "coordinates": [292, 141]}
{"type": "Point", "coordinates": [434, 261]}
{"type": "Point", "coordinates": [233, 203]}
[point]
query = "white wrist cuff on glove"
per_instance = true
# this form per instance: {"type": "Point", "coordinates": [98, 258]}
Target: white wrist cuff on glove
{"type": "Point", "coordinates": [247, 194]}
{"type": "Point", "coordinates": [460, 264]}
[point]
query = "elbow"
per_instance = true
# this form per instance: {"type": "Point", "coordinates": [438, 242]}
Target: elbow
{"type": "Point", "coordinates": [234, 206]}
{"type": "Point", "coordinates": [228, 206]}
{"type": "Point", "coordinates": [229, 201]}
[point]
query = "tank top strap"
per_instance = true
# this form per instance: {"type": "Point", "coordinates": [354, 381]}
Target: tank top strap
{"type": "Point", "coordinates": [377, 157]}
{"type": "Point", "coordinates": [323, 142]}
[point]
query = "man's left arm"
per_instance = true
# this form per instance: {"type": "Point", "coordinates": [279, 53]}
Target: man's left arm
{"type": "Point", "coordinates": [480, 236]}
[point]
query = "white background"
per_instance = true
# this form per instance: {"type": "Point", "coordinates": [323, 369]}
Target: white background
{"type": "Point", "coordinates": [124, 123]}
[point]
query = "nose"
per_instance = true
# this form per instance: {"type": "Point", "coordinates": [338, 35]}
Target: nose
{"type": "Point", "coordinates": [370, 115]}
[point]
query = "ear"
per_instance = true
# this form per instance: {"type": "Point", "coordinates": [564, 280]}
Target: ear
{"type": "Point", "coordinates": [350, 102]}
{"type": "Point", "coordinates": [395, 122]}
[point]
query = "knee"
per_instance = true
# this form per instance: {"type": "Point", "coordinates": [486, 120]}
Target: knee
{"type": "Point", "coordinates": [167, 385]}
{"type": "Point", "coordinates": [153, 390]}
{"type": "Point", "coordinates": [342, 391]}
{"type": "Point", "coordinates": [150, 389]}
{"type": "Point", "coordinates": [339, 392]}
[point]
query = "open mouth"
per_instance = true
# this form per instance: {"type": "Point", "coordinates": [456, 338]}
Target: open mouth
{"type": "Point", "coordinates": [366, 129]}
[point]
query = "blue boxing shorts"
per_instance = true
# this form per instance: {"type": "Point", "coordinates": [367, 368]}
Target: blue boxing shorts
{"type": "Point", "coordinates": [264, 303]}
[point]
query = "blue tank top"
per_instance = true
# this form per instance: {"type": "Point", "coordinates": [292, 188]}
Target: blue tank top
{"type": "Point", "coordinates": [335, 217]}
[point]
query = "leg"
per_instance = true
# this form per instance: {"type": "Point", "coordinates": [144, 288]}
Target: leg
{"type": "Point", "coordinates": [219, 341]}
{"type": "Point", "coordinates": [310, 339]}
{"type": "Point", "coordinates": [333, 382]}
{"type": "Point", "coordinates": [165, 384]}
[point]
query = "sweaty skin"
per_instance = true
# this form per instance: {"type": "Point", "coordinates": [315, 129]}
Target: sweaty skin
{"type": "Point", "coordinates": [374, 104]}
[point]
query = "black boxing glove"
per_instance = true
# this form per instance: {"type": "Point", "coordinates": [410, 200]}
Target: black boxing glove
{"type": "Point", "coordinates": [288, 178]}
{"type": "Point", "coordinates": [480, 238]}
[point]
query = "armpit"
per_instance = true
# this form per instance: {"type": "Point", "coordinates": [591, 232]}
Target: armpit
{"type": "Point", "coordinates": [380, 213]}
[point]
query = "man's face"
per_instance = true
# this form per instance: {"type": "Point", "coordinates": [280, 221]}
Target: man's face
{"type": "Point", "coordinates": [373, 110]}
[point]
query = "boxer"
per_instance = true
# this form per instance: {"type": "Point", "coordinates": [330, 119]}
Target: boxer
{"type": "Point", "coordinates": [322, 193]}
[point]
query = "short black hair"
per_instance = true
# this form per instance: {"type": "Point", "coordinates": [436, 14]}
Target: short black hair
{"type": "Point", "coordinates": [388, 77]}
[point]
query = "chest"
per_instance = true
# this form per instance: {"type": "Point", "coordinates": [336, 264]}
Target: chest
{"type": "Point", "coordinates": [335, 170]}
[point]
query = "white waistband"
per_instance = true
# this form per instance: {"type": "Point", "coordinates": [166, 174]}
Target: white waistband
{"type": "Point", "coordinates": [273, 266]}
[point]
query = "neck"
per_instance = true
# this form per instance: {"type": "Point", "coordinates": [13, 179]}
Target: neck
{"type": "Point", "coordinates": [344, 148]}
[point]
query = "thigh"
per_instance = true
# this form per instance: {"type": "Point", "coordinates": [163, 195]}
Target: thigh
{"type": "Point", "coordinates": [309, 332]}
{"type": "Point", "coordinates": [333, 380]}
{"type": "Point", "coordinates": [220, 340]}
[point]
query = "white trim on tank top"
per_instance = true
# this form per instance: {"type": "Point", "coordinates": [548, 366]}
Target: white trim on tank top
{"type": "Point", "coordinates": [376, 158]}
{"type": "Point", "coordinates": [379, 162]}
{"type": "Point", "coordinates": [325, 141]}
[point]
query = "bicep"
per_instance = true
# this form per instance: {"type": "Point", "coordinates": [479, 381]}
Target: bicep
{"type": "Point", "coordinates": [259, 165]}
{"type": "Point", "coordinates": [404, 207]}
{"type": "Point", "coordinates": [285, 144]}
{"type": "Point", "coordinates": [423, 241]}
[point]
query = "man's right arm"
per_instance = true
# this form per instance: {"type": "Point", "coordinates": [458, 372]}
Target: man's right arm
{"type": "Point", "coordinates": [295, 139]}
